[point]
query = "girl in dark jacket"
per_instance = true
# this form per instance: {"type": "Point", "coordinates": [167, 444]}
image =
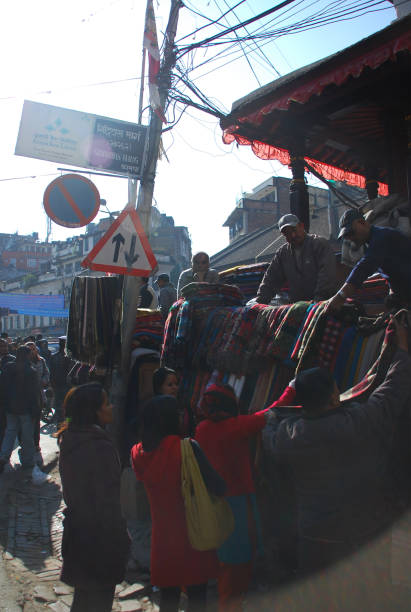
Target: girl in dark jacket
{"type": "Point", "coordinates": [95, 540]}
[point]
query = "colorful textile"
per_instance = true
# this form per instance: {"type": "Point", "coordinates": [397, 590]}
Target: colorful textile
{"type": "Point", "coordinates": [93, 334]}
{"type": "Point", "coordinates": [330, 342]}
{"type": "Point", "coordinates": [246, 278]}
{"type": "Point", "coordinates": [362, 390]}
{"type": "Point", "coordinates": [149, 329]}
{"type": "Point", "coordinates": [285, 334]}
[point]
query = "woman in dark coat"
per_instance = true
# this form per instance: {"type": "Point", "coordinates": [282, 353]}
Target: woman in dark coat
{"type": "Point", "coordinates": [95, 540]}
{"type": "Point", "coordinates": [157, 462]}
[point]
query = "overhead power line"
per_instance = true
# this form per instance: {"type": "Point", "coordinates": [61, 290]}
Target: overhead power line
{"type": "Point", "coordinates": [236, 27]}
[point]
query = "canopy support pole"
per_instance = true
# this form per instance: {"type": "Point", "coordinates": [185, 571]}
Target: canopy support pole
{"type": "Point", "coordinates": [408, 162]}
{"type": "Point", "coordinates": [299, 200]}
{"type": "Point", "coordinates": [371, 183]}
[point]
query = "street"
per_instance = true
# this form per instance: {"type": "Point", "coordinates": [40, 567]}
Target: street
{"type": "Point", "coordinates": [30, 541]}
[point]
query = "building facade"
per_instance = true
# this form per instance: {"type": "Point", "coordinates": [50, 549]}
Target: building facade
{"type": "Point", "coordinates": [54, 276]}
{"type": "Point", "coordinates": [253, 224]}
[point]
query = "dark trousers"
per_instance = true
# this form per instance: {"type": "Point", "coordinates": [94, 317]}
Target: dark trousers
{"type": "Point", "coordinates": [86, 600]}
{"type": "Point", "coordinates": [36, 432]}
{"type": "Point", "coordinates": [3, 422]}
{"type": "Point", "coordinates": [196, 593]}
{"type": "Point", "coordinates": [59, 395]}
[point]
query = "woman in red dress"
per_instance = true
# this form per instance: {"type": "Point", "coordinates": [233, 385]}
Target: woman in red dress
{"type": "Point", "coordinates": [157, 462]}
{"type": "Point", "coordinates": [225, 435]}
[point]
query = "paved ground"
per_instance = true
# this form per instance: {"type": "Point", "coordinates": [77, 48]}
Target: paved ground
{"type": "Point", "coordinates": [30, 539]}
{"type": "Point", "coordinates": [30, 563]}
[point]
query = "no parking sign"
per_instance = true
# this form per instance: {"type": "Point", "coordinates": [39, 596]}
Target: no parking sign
{"type": "Point", "coordinates": [71, 200]}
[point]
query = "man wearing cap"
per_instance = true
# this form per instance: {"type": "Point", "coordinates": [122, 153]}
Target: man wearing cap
{"type": "Point", "coordinates": [387, 250]}
{"type": "Point", "coordinates": [167, 294]}
{"type": "Point", "coordinates": [306, 264]}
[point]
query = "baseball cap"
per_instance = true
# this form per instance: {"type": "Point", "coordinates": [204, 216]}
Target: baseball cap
{"type": "Point", "coordinates": [288, 221]}
{"type": "Point", "coordinates": [164, 277]}
{"type": "Point", "coordinates": [347, 219]}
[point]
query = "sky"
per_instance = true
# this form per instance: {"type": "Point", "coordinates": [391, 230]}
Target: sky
{"type": "Point", "coordinates": [86, 55]}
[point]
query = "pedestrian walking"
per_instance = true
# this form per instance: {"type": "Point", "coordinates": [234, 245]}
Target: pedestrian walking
{"type": "Point", "coordinates": [60, 366]}
{"type": "Point", "coordinates": [95, 541]}
{"type": "Point", "coordinates": [157, 463]}
{"type": "Point", "coordinates": [167, 294]}
{"type": "Point", "coordinates": [19, 394]}
{"type": "Point", "coordinates": [147, 297]}
{"type": "Point", "coordinates": [44, 351]}
{"type": "Point", "coordinates": [5, 359]}
{"type": "Point", "coordinates": [43, 376]}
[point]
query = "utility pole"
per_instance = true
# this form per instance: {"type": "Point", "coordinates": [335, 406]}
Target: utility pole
{"type": "Point", "coordinates": [132, 284]}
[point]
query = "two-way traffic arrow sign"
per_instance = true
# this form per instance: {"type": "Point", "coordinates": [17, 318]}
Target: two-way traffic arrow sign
{"type": "Point", "coordinates": [124, 249]}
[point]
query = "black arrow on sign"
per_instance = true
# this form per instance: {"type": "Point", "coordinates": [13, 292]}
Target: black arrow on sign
{"type": "Point", "coordinates": [118, 239]}
{"type": "Point", "coordinates": [130, 257]}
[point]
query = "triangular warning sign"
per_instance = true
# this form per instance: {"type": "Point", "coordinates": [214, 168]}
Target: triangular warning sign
{"type": "Point", "coordinates": [124, 249]}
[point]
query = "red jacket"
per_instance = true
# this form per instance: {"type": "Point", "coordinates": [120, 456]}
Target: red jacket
{"type": "Point", "coordinates": [173, 561]}
{"type": "Point", "coordinates": [226, 444]}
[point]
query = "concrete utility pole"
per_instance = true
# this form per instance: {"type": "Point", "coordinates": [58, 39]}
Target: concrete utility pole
{"type": "Point", "coordinates": [145, 196]}
{"type": "Point", "coordinates": [132, 284]}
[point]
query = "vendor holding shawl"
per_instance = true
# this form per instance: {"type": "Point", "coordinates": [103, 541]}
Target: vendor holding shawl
{"type": "Point", "coordinates": [387, 250]}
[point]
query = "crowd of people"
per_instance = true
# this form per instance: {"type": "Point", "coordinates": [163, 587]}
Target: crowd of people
{"type": "Point", "coordinates": [337, 457]}
{"type": "Point", "coordinates": [31, 379]}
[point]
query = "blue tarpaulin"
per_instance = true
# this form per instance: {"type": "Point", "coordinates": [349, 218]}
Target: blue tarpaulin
{"type": "Point", "coordinates": [63, 313]}
{"type": "Point", "coordinates": [43, 305]}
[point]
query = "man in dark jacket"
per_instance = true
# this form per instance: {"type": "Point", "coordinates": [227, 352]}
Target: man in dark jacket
{"type": "Point", "coordinates": [306, 264]}
{"type": "Point", "coordinates": [336, 455]}
{"type": "Point", "coordinates": [5, 356]}
{"type": "Point", "coordinates": [5, 359]}
{"type": "Point", "coordinates": [19, 394]}
{"type": "Point", "coordinates": [387, 250]}
{"type": "Point", "coordinates": [60, 366]}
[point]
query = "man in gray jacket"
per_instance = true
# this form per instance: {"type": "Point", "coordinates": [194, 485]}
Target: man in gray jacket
{"type": "Point", "coordinates": [200, 272]}
{"type": "Point", "coordinates": [338, 456]}
{"type": "Point", "coordinates": [306, 264]}
{"type": "Point", "coordinates": [167, 294]}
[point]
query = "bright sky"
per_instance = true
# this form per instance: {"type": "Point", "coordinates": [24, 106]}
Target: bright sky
{"type": "Point", "coordinates": [60, 53]}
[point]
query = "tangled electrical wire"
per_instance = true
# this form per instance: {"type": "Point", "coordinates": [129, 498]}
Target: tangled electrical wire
{"type": "Point", "coordinates": [234, 41]}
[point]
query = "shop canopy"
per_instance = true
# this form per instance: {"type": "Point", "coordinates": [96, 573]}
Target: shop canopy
{"type": "Point", "coordinates": [339, 109]}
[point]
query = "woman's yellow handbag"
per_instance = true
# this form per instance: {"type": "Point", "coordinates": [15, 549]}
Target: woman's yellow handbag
{"type": "Point", "coordinates": [210, 520]}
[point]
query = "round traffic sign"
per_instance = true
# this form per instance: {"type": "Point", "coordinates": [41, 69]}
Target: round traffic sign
{"type": "Point", "coordinates": [71, 200]}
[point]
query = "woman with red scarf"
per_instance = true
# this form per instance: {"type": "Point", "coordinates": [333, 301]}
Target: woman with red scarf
{"type": "Point", "coordinates": [224, 436]}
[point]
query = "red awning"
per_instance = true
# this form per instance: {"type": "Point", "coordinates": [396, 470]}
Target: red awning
{"type": "Point", "coordinates": [332, 71]}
